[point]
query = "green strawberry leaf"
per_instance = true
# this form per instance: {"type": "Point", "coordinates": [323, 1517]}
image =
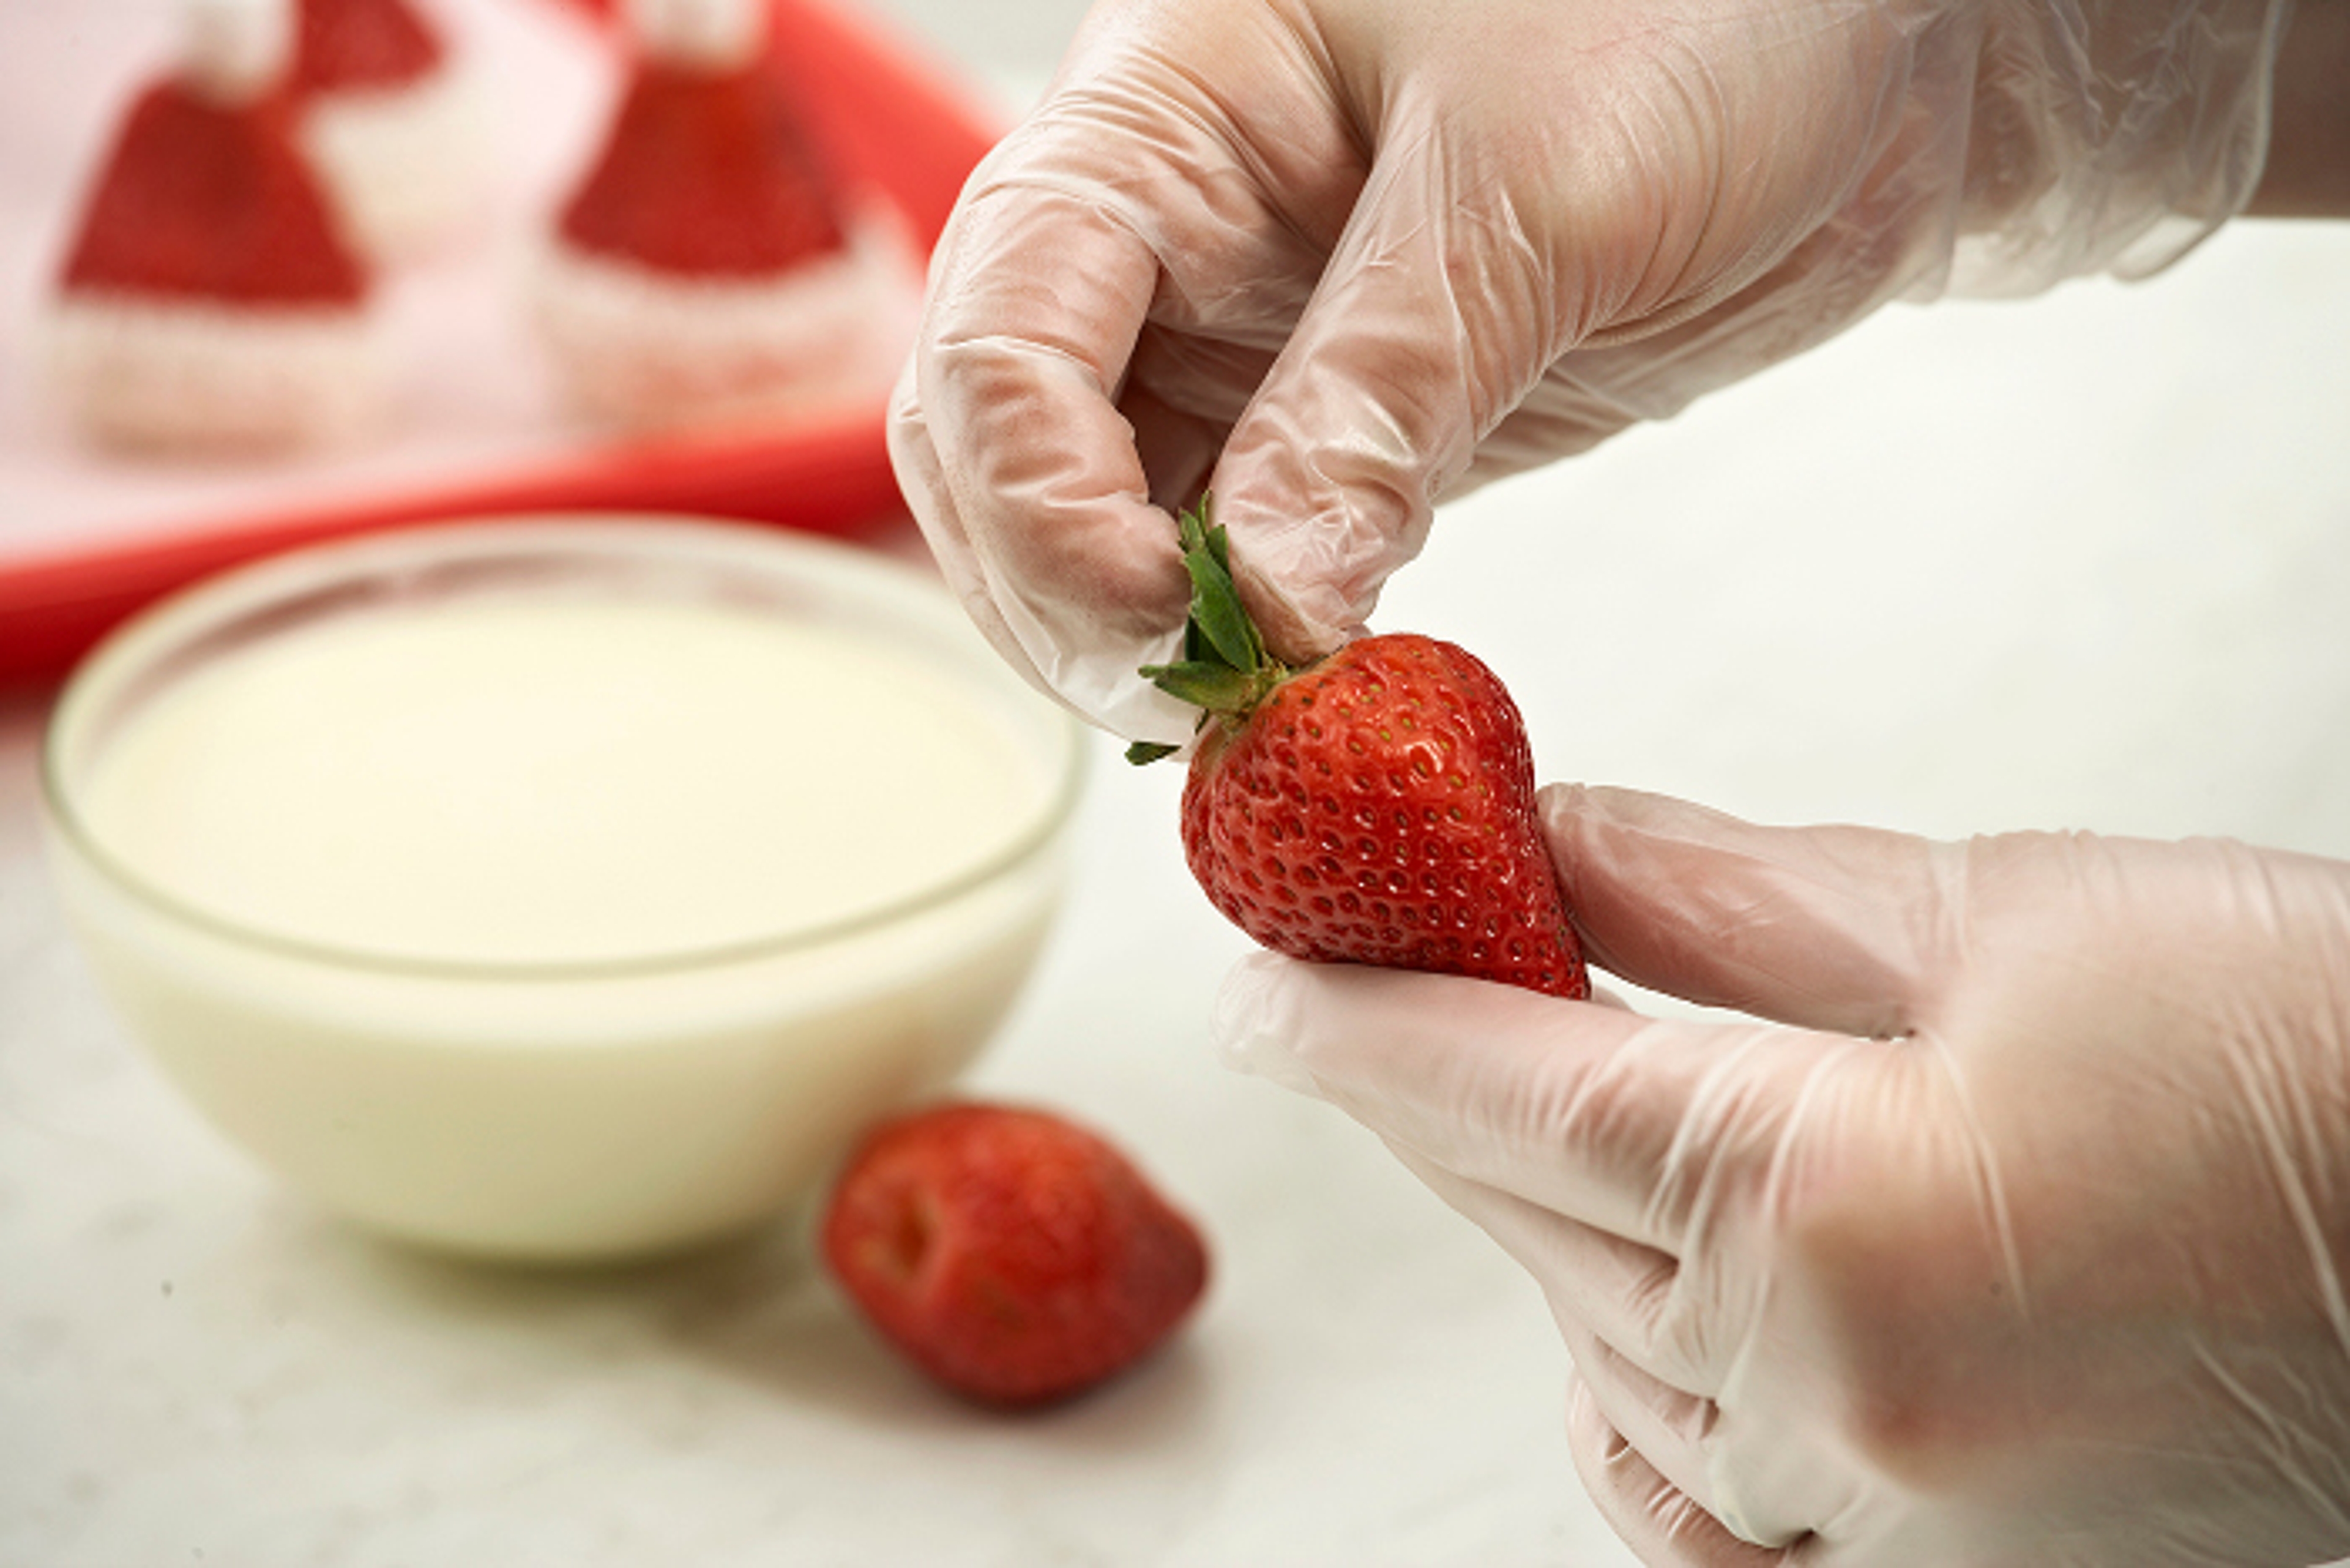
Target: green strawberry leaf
{"type": "Point", "coordinates": [1218, 688]}
{"type": "Point", "coordinates": [1224, 668]}
{"type": "Point", "coordinates": [1218, 539]}
{"type": "Point", "coordinates": [1216, 609]}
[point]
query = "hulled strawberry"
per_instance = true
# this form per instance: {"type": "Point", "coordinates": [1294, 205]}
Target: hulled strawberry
{"type": "Point", "coordinates": [710, 266]}
{"type": "Point", "coordinates": [209, 302]}
{"type": "Point", "coordinates": [1377, 806]}
{"type": "Point", "coordinates": [1017, 1258]}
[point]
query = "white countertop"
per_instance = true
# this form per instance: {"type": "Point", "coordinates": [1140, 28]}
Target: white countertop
{"type": "Point", "coordinates": [2078, 562]}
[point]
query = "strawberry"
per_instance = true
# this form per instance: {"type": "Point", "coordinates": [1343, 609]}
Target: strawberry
{"type": "Point", "coordinates": [206, 200]}
{"type": "Point", "coordinates": [706, 173]}
{"type": "Point", "coordinates": [1016, 1257]}
{"type": "Point", "coordinates": [1376, 806]}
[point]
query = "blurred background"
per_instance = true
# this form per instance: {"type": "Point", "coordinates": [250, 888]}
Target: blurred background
{"type": "Point", "coordinates": [2074, 562]}
{"type": "Point", "coordinates": [1010, 49]}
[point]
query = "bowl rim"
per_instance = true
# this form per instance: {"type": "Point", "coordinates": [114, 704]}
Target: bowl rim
{"type": "Point", "coordinates": [319, 580]}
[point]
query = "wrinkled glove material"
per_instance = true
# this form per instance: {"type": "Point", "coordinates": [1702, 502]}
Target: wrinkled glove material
{"type": "Point", "coordinates": [1337, 261]}
{"type": "Point", "coordinates": [2004, 1218]}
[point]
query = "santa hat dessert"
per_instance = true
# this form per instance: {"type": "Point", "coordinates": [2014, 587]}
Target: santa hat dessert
{"type": "Point", "coordinates": [395, 129]}
{"type": "Point", "coordinates": [208, 301]}
{"type": "Point", "coordinates": [706, 268]}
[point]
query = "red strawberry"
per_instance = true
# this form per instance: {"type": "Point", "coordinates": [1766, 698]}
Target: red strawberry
{"type": "Point", "coordinates": [1014, 1256]}
{"type": "Point", "coordinates": [706, 173]}
{"type": "Point", "coordinates": [204, 200]}
{"type": "Point", "coordinates": [346, 46]}
{"type": "Point", "coordinates": [1375, 807]}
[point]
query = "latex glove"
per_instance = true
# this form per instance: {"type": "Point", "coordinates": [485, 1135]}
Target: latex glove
{"type": "Point", "coordinates": [1342, 258]}
{"type": "Point", "coordinates": [2020, 1238]}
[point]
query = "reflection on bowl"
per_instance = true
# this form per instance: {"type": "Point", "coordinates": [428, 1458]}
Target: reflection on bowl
{"type": "Point", "coordinates": [558, 889]}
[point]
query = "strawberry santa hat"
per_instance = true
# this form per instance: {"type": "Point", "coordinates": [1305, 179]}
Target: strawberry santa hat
{"type": "Point", "coordinates": [395, 127]}
{"type": "Point", "coordinates": [208, 300]}
{"type": "Point", "coordinates": [707, 265]}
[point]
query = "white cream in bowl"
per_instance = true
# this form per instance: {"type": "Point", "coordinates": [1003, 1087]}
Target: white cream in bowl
{"type": "Point", "coordinates": [561, 890]}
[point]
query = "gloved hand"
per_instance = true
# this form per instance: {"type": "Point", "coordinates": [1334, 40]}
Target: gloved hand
{"type": "Point", "coordinates": [1338, 258]}
{"type": "Point", "coordinates": [2020, 1236]}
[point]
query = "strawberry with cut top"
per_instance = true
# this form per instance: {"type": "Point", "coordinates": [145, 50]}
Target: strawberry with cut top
{"type": "Point", "coordinates": [1376, 806]}
{"type": "Point", "coordinates": [710, 266]}
{"type": "Point", "coordinates": [208, 302]}
{"type": "Point", "coordinates": [1016, 1257]}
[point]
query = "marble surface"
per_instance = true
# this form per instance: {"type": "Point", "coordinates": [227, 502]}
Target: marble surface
{"type": "Point", "coordinates": [2076, 562]}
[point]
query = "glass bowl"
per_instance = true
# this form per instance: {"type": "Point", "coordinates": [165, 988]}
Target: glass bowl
{"type": "Point", "coordinates": [558, 889]}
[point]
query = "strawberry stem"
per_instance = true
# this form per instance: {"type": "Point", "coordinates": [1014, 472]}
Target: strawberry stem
{"type": "Point", "coordinates": [1225, 669]}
